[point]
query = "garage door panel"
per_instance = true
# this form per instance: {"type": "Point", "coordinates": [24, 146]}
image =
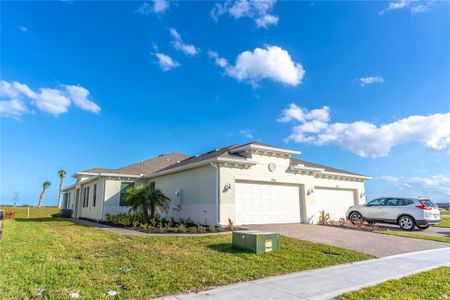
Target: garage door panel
{"type": "Point", "coordinates": [333, 201]}
{"type": "Point", "coordinates": [266, 203]}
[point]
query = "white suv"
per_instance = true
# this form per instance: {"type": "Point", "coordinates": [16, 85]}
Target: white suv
{"type": "Point", "coordinates": [406, 212]}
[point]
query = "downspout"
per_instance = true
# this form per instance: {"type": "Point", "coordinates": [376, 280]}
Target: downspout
{"type": "Point", "coordinates": [217, 192]}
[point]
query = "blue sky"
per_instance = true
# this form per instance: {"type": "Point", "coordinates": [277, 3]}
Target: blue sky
{"type": "Point", "coordinates": [362, 86]}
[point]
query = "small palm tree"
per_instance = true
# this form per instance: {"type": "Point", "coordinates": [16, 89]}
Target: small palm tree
{"type": "Point", "coordinates": [45, 186]}
{"type": "Point", "coordinates": [61, 173]}
{"type": "Point", "coordinates": [145, 198]}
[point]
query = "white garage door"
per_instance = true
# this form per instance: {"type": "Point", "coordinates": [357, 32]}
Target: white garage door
{"type": "Point", "coordinates": [333, 201]}
{"type": "Point", "coordinates": [267, 203]}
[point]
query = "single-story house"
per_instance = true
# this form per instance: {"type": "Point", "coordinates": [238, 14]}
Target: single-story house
{"type": "Point", "coordinates": [252, 183]}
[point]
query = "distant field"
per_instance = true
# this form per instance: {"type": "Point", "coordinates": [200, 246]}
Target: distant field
{"type": "Point", "coordinates": [35, 212]}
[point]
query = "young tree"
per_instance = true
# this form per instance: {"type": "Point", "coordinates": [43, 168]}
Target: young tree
{"type": "Point", "coordinates": [145, 198]}
{"type": "Point", "coordinates": [45, 186]}
{"type": "Point", "coordinates": [61, 173]}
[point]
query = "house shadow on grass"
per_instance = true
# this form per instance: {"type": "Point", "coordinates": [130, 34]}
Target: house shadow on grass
{"type": "Point", "coordinates": [228, 248]}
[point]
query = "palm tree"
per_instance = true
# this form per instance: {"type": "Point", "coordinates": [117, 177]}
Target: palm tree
{"type": "Point", "coordinates": [144, 198]}
{"type": "Point", "coordinates": [45, 186]}
{"type": "Point", "coordinates": [61, 174]}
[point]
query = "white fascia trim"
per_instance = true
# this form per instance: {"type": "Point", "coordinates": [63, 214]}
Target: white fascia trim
{"type": "Point", "coordinates": [305, 168]}
{"type": "Point", "coordinates": [109, 175]}
{"type": "Point", "coordinates": [265, 148]}
{"type": "Point", "coordinates": [344, 175]}
{"type": "Point", "coordinates": [247, 161]}
{"type": "Point", "coordinates": [106, 174]}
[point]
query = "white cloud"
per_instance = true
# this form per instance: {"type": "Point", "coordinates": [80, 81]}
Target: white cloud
{"type": "Point", "coordinates": [165, 62]}
{"type": "Point", "coordinates": [23, 28]}
{"type": "Point", "coordinates": [80, 97]}
{"type": "Point", "coordinates": [53, 101]}
{"type": "Point", "coordinates": [179, 45]}
{"type": "Point", "coordinates": [395, 6]}
{"type": "Point", "coordinates": [367, 139]}
{"type": "Point", "coordinates": [157, 7]}
{"type": "Point", "coordinates": [270, 62]}
{"type": "Point", "coordinates": [13, 108]}
{"type": "Point", "coordinates": [296, 113]}
{"type": "Point", "coordinates": [257, 10]}
{"type": "Point", "coordinates": [436, 187]}
{"type": "Point", "coordinates": [246, 133]}
{"type": "Point", "coordinates": [415, 7]}
{"type": "Point", "coordinates": [160, 6]}
{"type": "Point", "coordinates": [220, 61]}
{"type": "Point", "coordinates": [390, 179]}
{"type": "Point", "coordinates": [422, 8]}
{"type": "Point", "coordinates": [370, 79]}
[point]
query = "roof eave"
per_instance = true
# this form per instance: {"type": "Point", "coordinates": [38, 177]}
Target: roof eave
{"type": "Point", "coordinates": [264, 148]}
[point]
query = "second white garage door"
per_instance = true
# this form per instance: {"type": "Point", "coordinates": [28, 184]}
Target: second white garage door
{"type": "Point", "coordinates": [266, 203]}
{"type": "Point", "coordinates": [333, 201]}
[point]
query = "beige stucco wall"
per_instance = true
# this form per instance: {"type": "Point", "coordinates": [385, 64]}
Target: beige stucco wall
{"type": "Point", "coordinates": [260, 173]}
{"type": "Point", "coordinates": [71, 201]}
{"type": "Point", "coordinates": [192, 193]}
{"type": "Point", "coordinates": [112, 197]}
{"type": "Point", "coordinates": [91, 212]}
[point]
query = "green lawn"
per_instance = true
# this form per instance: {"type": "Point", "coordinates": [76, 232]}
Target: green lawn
{"type": "Point", "coordinates": [434, 284]}
{"type": "Point", "coordinates": [416, 235]}
{"type": "Point", "coordinates": [445, 212]}
{"type": "Point", "coordinates": [35, 212]}
{"type": "Point", "coordinates": [63, 257]}
{"type": "Point", "coordinates": [445, 222]}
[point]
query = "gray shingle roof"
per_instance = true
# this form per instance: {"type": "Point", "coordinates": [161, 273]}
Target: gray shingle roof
{"type": "Point", "coordinates": [96, 170]}
{"type": "Point", "coordinates": [175, 160]}
{"type": "Point", "coordinates": [152, 165]}
{"type": "Point", "coordinates": [222, 152]}
{"type": "Point", "coordinates": [148, 166]}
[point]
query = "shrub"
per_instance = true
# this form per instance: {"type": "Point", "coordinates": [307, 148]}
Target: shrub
{"type": "Point", "coordinates": [10, 214]}
{"type": "Point", "coordinates": [144, 226]}
{"type": "Point", "coordinates": [65, 213]}
{"type": "Point", "coordinates": [182, 228]}
{"type": "Point", "coordinates": [212, 229]}
{"type": "Point", "coordinates": [230, 226]}
{"type": "Point", "coordinates": [324, 218]}
{"type": "Point", "coordinates": [192, 229]}
{"type": "Point", "coordinates": [201, 228]}
{"type": "Point", "coordinates": [173, 229]}
{"type": "Point", "coordinates": [342, 222]}
{"type": "Point", "coordinates": [154, 222]}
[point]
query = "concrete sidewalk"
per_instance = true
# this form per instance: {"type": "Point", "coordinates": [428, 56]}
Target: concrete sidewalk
{"type": "Point", "coordinates": [330, 282]}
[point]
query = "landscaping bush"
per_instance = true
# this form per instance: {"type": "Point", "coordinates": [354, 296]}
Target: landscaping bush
{"type": "Point", "coordinates": [10, 214]}
{"type": "Point", "coordinates": [159, 225]}
{"type": "Point", "coordinates": [65, 213]}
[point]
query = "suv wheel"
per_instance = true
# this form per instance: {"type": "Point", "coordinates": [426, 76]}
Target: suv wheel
{"type": "Point", "coordinates": [355, 217]}
{"type": "Point", "coordinates": [406, 223]}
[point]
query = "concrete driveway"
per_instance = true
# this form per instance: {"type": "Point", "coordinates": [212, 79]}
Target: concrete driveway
{"type": "Point", "coordinates": [379, 245]}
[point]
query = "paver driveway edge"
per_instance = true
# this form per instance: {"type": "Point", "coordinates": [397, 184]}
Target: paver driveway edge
{"type": "Point", "coordinates": [329, 282]}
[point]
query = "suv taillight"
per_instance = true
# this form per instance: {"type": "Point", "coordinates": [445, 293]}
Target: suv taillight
{"type": "Point", "coordinates": [423, 206]}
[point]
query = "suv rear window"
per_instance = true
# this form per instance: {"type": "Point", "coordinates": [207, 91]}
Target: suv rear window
{"type": "Point", "coordinates": [428, 203]}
